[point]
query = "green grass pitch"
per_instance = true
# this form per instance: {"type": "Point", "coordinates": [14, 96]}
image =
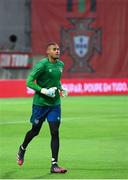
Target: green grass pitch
{"type": "Point", "coordinates": [93, 138]}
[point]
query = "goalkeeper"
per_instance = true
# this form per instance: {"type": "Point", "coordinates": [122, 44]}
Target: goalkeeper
{"type": "Point", "coordinates": [45, 80]}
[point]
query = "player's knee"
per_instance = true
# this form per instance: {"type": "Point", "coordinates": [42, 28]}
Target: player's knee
{"type": "Point", "coordinates": [35, 130]}
{"type": "Point", "coordinates": [54, 128]}
{"type": "Point", "coordinates": [54, 133]}
{"type": "Point", "coordinates": [35, 133]}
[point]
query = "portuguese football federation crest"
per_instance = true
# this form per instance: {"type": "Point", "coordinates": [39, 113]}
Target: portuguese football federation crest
{"type": "Point", "coordinates": [81, 42]}
{"type": "Point", "coordinates": [81, 45]}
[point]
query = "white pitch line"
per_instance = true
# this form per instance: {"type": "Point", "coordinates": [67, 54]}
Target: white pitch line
{"type": "Point", "coordinates": [22, 122]}
{"type": "Point", "coordinates": [90, 117]}
{"type": "Point", "coordinates": [13, 122]}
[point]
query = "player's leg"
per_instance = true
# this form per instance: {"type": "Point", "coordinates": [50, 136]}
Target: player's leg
{"type": "Point", "coordinates": [29, 136]}
{"type": "Point", "coordinates": [37, 118]}
{"type": "Point", "coordinates": [54, 117]}
{"type": "Point", "coordinates": [54, 131]}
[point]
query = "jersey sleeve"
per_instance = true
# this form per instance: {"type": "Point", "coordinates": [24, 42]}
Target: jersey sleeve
{"type": "Point", "coordinates": [60, 85]}
{"type": "Point", "coordinates": [35, 73]}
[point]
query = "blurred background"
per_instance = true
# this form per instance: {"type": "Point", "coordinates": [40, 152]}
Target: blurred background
{"type": "Point", "coordinates": [92, 34]}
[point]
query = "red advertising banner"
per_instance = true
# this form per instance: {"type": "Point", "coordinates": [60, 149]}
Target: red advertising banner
{"type": "Point", "coordinates": [75, 87]}
{"type": "Point", "coordinates": [93, 35]}
{"type": "Point", "coordinates": [15, 60]}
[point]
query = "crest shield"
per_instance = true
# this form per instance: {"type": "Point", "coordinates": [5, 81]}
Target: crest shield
{"type": "Point", "coordinates": [81, 45]}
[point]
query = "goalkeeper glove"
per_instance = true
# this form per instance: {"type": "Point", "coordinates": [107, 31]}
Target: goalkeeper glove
{"type": "Point", "coordinates": [49, 92]}
{"type": "Point", "coordinates": [64, 92]}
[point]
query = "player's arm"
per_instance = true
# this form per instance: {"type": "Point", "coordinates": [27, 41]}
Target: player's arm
{"type": "Point", "coordinates": [31, 81]}
{"type": "Point", "coordinates": [63, 90]}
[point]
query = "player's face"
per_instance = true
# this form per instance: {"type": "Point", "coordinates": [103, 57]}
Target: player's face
{"type": "Point", "coordinates": [54, 51]}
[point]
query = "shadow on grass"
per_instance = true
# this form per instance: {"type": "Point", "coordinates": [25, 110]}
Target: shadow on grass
{"type": "Point", "coordinates": [45, 176]}
{"type": "Point", "coordinates": [7, 175]}
{"type": "Point", "coordinates": [11, 175]}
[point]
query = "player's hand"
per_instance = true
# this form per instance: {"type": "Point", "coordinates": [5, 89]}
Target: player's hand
{"type": "Point", "coordinates": [49, 92]}
{"type": "Point", "coordinates": [64, 92]}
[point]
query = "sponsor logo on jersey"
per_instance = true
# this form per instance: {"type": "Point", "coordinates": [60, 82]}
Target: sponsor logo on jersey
{"type": "Point", "coordinates": [50, 70]}
{"type": "Point", "coordinates": [61, 69]}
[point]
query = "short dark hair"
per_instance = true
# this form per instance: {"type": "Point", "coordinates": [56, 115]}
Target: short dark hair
{"type": "Point", "coordinates": [51, 43]}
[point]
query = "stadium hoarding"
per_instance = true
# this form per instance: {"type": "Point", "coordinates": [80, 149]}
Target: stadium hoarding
{"type": "Point", "coordinates": [15, 60]}
{"type": "Point", "coordinates": [75, 87]}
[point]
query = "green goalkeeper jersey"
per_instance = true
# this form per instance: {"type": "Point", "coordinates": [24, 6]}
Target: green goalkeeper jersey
{"type": "Point", "coordinates": [45, 75]}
